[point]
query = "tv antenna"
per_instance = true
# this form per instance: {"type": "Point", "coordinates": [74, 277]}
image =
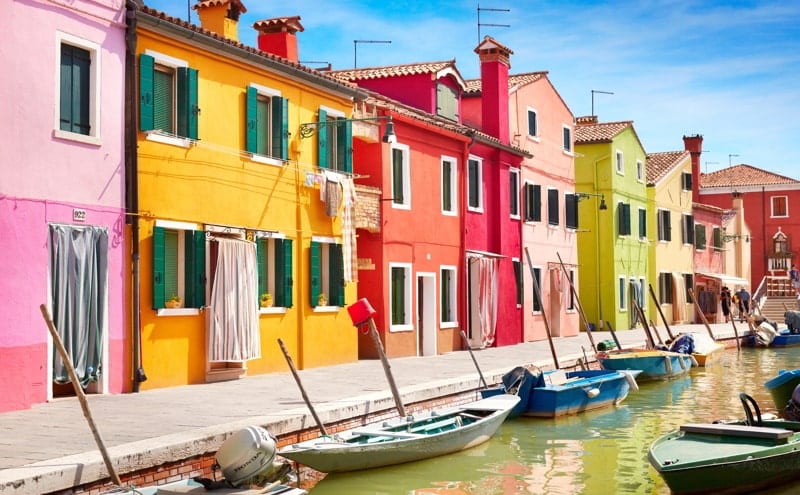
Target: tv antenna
{"type": "Point", "coordinates": [355, 48]}
{"type": "Point", "coordinates": [487, 24]}
{"type": "Point", "coordinates": [600, 92]}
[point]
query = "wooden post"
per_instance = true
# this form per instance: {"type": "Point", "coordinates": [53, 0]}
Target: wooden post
{"type": "Point", "coordinates": [736, 334]}
{"type": "Point", "coordinates": [541, 305]}
{"type": "Point", "coordinates": [73, 376]}
{"type": "Point", "coordinates": [614, 335]}
{"type": "Point", "coordinates": [300, 386]}
{"type": "Point", "coordinates": [658, 307]}
{"type": "Point", "coordinates": [647, 333]}
{"type": "Point", "coordinates": [577, 303]}
{"type": "Point", "coordinates": [475, 361]}
{"type": "Point", "coordinates": [373, 331]}
{"type": "Point", "coordinates": [655, 331]}
{"type": "Point", "coordinates": [702, 315]}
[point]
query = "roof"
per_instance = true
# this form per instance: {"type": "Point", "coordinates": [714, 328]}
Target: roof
{"type": "Point", "coordinates": [435, 68]}
{"type": "Point", "coordinates": [600, 133]}
{"type": "Point", "coordinates": [661, 163]}
{"type": "Point", "coordinates": [514, 80]}
{"type": "Point", "coordinates": [217, 3]}
{"type": "Point", "coordinates": [743, 175]}
{"type": "Point", "coordinates": [290, 24]}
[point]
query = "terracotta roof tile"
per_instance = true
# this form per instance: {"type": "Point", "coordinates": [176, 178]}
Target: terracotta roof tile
{"type": "Point", "coordinates": [270, 25]}
{"type": "Point", "coordinates": [661, 163]}
{"type": "Point", "coordinates": [743, 175]}
{"type": "Point", "coordinates": [216, 3]}
{"type": "Point", "coordinates": [599, 133]}
{"type": "Point", "coordinates": [393, 70]}
{"type": "Point", "coordinates": [473, 86]}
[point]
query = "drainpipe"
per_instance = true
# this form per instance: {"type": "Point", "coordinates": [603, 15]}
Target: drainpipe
{"type": "Point", "coordinates": [132, 186]}
{"type": "Point", "coordinates": [462, 231]}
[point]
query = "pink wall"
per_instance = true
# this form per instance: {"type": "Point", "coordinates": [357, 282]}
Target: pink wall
{"type": "Point", "coordinates": [45, 177]}
{"type": "Point", "coordinates": [708, 260]}
{"type": "Point", "coordinates": [413, 90]}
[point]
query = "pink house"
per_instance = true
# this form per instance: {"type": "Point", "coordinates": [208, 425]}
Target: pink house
{"type": "Point", "coordinates": [62, 199]}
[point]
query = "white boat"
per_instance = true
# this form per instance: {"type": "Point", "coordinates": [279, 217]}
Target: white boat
{"type": "Point", "coordinates": [405, 439]}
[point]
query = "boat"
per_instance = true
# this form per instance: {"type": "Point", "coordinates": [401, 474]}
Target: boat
{"type": "Point", "coordinates": [707, 351]}
{"type": "Point", "coordinates": [729, 458]}
{"type": "Point", "coordinates": [405, 439]}
{"type": "Point", "coordinates": [781, 387]}
{"type": "Point", "coordinates": [782, 338]}
{"type": "Point", "coordinates": [556, 393]}
{"type": "Point", "coordinates": [192, 487]}
{"type": "Point", "coordinates": [654, 364]}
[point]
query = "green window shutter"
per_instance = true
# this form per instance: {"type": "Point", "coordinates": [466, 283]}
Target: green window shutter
{"type": "Point", "coordinates": [397, 176]}
{"type": "Point", "coordinates": [159, 268]}
{"type": "Point", "coordinates": [195, 256]}
{"type": "Point", "coordinates": [336, 275]}
{"type": "Point", "coordinates": [280, 127]}
{"type": "Point", "coordinates": [642, 223]}
{"type": "Point", "coordinates": [447, 194]}
{"type": "Point", "coordinates": [398, 296]}
{"type": "Point", "coordinates": [472, 178]}
{"type": "Point", "coordinates": [187, 102]}
{"type": "Point", "coordinates": [536, 276]}
{"type": "Point", "coordinates": [251, 120]}
{"type": "Point", "coordinates": [74, 94]}
{"type": "Point", "coordinates": [262, 249]}
{"type": "Point", "coordinates": [163, 101]}
{"type": "Point", "coordinates": [537, 203]}
{"type": "Point", "coordinates": [283, 273]}
{"type": "Point", "coordinates": [624, 219]}
{"type": "Point", "coordinates": [315, 271]}
{"type": "Point", "coordinates": [146, 93]}
{"type": "Point", "coordinates": [717, 234]}
{"type": "Point", "coordinates": [344, 150]}
{"type": "Point", "coordinates": [552, 207]}
{"type": "Point", "coordinates": [445, 299]}
{"type": "Point", "coordinates": [322, 140]}
{"type": "Point", "coordinates": [262, 127]}
{"type": "Point", "coordinates": [571, 211]}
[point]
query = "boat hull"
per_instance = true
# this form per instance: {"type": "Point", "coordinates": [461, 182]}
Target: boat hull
{"type": "Point", "coordinates": [654, 364]}
{"type": "Point", "coordinates": [693, 463]}
{"type": "Point", "coordinates": [399, 440]}
{"type": "Point", "coordinates": [780, 340]}
{"type": "Point", "coordinates": [781, 387]}
{"type": "Point", "coordinates": [709, 357]}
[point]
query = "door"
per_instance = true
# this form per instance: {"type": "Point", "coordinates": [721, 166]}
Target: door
{"type": "Point", "coordinates": [426, 314]}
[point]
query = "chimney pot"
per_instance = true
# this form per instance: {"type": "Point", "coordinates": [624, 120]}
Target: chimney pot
{"type": "Point", "coordinates": [277, 36]}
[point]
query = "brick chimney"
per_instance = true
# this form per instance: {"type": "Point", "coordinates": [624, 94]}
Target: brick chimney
{"type": "Point", "coordinates": [694, 145]}
{"type": "Point", "coordinates": [277, 36]}
{"type": "Point", "coordinates": [586, 120]}
{"type": "Point", "coordinates": [495, 63]}
{"type": "Point", "coordinates": [221, 16]}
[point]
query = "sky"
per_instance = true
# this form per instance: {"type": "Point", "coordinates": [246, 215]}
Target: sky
{"type": "Point", "coordinates": [728, 70]}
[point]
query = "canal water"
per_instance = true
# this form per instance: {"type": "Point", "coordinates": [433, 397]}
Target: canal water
{"type": "Point", "coordinates": [601, 452]}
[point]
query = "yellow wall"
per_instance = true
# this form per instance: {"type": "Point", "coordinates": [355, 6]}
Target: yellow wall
{"type": "Point", "coordinates": [215, 182]}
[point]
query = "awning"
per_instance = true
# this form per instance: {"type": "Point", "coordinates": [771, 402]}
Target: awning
{"type": "Point", "coordinates": [483, 254]}
{"type": "Point", "coordinates": [726, 279]}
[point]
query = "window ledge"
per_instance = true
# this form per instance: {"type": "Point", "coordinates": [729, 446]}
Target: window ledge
{"type": "Point", "coordinates": [266, 160]}
{"type": "Point", "coordinates": [326, 309]}
{"type": "Point", "coordinates": [272, 311]}
{"type": "Point", "coordinates": [401, 206]}
{"type": "Point", "coordinates": [178, 312]}
{"type": "Point", "coordinates": [401, 328]}
{"type": "Point", "coordinates": [80, 138]}
{"type": "Point", "coordinates": [448, 324]}
{"type": "Point", "coordinates": [159, 137]}
{"type": "Point", "coordinates": [568, 153]}
{"type": "Point", "coordinates": [535, 139]}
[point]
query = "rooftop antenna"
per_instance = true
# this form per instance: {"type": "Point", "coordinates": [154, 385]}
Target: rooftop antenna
{"type": "Point", "coordinates": [188, 11]}
{"type": "Point", "coordinates": [600, 92]}
{"type": "Point", "coordinates": [485, 24]}
{"type": "Point", "coordinates": [355, 48]}
{"type": "Point", "coordinates": [729, 159]}
{"type": "Point", "coordinates": [710, 163]}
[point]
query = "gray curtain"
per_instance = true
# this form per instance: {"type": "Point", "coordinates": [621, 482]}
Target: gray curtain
{"type": "Point", "coordinates": [79, 285]}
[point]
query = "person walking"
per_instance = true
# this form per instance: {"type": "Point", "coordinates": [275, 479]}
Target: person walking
{"type": "Point", "coordinates": [725, 301]}
{"type": "Point", "coordinates": [794, 279]}
{"type": "Point", "coordinates": [744, 304]}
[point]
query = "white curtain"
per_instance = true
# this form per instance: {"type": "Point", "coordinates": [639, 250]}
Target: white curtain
{"type": "Point", "coordinates": [557, 287]}
{"type": "Point", "coordinates": [233, 329]}
{"type": "Point", "coordinates": [487, 299]}
{"type": "Point", "coordinates": [679, 299]}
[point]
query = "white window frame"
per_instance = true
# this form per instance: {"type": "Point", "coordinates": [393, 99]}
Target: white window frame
{"type": "Point", "coordinates": [533, 293]}
{"type": "Point", "coordinates": [516, 199]}
{"type": "Point", "coordinates": [453, 185]}
{"type": "Point", "coordinates": [270, 238]}
{"type": "Point", "coordinates": [182, 228]}
{"type": "Point", "coordinates": [174, 64]}
{"type": "Point", "coordinates": [408, 324]}
{"type": "Point", "coordinates": [95, 136]}
{"type": "Point", "coordinates": [619, 162]}
{"type": "Point", "coordinates": [622, 284]}
{"type": "Point", "coordinates": [639, 171]}
{"type": "Point", "coordinates": [567, 149]}
{"type": "Point", "coordinates": [406, 153]}
{"type": "Point", "coordinates": [453, 299]}
{"type": "Point", "coordinates": [532, 137]}
{"type": "Point", "coordinates": [479, 208]}
{"type": "Point", "coordinates": [267, 93]}
{"type": "Point", "coordinates": [772, 206]}
{"type": "Point", "coordinates": [638, 226]}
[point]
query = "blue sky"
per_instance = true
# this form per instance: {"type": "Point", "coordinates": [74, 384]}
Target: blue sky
{"type": "Point", "coordinates": [729, 70]}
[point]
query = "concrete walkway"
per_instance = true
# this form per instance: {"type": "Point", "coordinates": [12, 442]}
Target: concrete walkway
{"type": "Point", "coordinates": [50, 447]}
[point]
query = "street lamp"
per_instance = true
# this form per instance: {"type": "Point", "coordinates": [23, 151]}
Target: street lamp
{"type": "Point", "coordinates": [309, 128]}
{"type": "Point", "coordinates": [582, 195]}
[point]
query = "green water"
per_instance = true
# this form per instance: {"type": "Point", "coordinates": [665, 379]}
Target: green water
{"type": "Point", "coordinates": [602, 452]}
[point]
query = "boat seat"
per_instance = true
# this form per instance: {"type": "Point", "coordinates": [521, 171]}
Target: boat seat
{"type": "Point", "coordinates": [737, 430]}
{"type": "Point", "coordinates": [557, 377]}
{"type": "Point", "coordinates": [436, 425]}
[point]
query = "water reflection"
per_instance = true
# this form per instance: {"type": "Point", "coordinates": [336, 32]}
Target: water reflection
{"type": "Point", "coordinates": [600, 452]}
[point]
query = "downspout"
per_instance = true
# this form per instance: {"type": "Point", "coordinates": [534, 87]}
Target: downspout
{"type": "Point", "coordinates": [462, 186]}
{"type": "Point", "coordinates": [132, 186]}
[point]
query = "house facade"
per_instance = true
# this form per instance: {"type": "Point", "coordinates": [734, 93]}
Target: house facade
{"type": "Point", "coordinates": [62, 199]}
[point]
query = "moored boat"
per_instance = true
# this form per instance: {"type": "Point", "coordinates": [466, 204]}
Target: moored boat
{"type": "Point", "coordinates": [707, 351]}
{"type": "Point", "coordinates": [728, 458]}
{"type": "Point", "coordinates": [781, 386]}
{"type": "Point", "coordinates": [191, 487]}
{"type": "Point", "coordinates": [654, 364]}
{"type": "Point", "coordinates": [405, 439]}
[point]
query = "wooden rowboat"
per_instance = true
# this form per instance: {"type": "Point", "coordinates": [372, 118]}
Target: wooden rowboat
{"type": "Point", "coordinates": [729, 458]}
{"type": "Point", "coordinates": [405, 439]}
{"type": "Point", "coordinates": [706, 350]}
{"type": "Point", "coordinates": [191, 487]}
{"type": "Point", "coordinates": [654, 364]}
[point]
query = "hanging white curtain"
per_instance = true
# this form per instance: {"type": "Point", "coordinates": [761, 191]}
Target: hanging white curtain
{"type": "Point", "coordinates": [487, 299]}
{"type": "Point", "coordinates": [679, 298]}
{"type": "Point", "coordinates": [556, 296]}
{"type": "Point", "coordinates": [233, 330]}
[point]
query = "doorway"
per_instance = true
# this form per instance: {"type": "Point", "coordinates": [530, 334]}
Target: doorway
{"type": "Point", "coordinates": [426, 314]}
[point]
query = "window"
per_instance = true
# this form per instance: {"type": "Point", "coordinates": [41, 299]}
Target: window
{"type": "Point", "coordinates": [688, 281]}
{"type": "Point", "coordinates": [665, 288]}
{"type": "Point", "coordinates": [519, 281]}
{"type": "Point", "coordinates": [553, 210]}
{"type": "Point", "coordinates": [717, 236]}
{"type": "Point", "coordinates": [699, 236]}
{"type": "Point", "coordinates": [623, 299]}
{"type": "Point", "coordinates": [448, 185]}
{"type": "Point", "coordinates": [513, 193]}
{"type": "Point", "coordinates": [400, 295]}
{"type": "Point", "coordinates": [448, 295]}
{"type": "Point", "coordinates": [571, 211]}
{"type": "Point", "coordinates": [533, 123]}
{"type": "Point", "coordinates": [686, 181]}
{"type": "Point", "coordinates": [446, 102]}
{"type": "Point", "coordinates": [623, 219]}
{"type": "Point", "coordinates": [536, 288]}
{"type": "Point", "coordinates": [475, 184]}
{"type": "Point", "coordinates": [639, 171]}
{"type": "Point", "coordinates": [567, 139]}
{"type": "Point", "coordinates": [267, 123]}
{"type": "Point", "coordinates": [167, 96]}
{"type": "Point", "coordinates": [664, 225]}
{"type": "Point", "coordinates": [687, 229]}
{"type": "Point", "coordinates": [78, 93]}
{"type": "Point", "coordinates": [179, 261]}
{"type": "Point", "coordinates": [780, 206]}
{"type": "Point", "coordinates": [642, 224]}
{"type": "Point", "coordinates": [619, 161]}
{"type": "Point", "coordinates": [533, 203]}
{"type": "Point", "coordinates": [401, 180]}
{"type": "Point", "coordinates": [274, 265]}
{"type": "Point", "coordinates": [326, 272]}
{"type": "Point", "coordinates": [335, 141]}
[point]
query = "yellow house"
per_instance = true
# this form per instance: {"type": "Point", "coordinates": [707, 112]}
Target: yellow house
{"type": "Point", "coordinates": [672, 237]}
{"type": "Point", "coordinates": [243, 177]}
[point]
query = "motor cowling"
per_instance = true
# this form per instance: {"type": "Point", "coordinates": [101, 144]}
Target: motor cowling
{"type": "Point", "coordinates": [246, 454]}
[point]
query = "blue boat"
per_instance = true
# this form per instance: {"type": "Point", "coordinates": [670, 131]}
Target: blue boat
{"type": "Point", "coordinates": [784, 338]}
{"type": "Point", "coordinates": [781, 387]}
{"type": "Point", "coordinates": [654, 364]}
{"type": "Point", "coordinates": [556, 393]}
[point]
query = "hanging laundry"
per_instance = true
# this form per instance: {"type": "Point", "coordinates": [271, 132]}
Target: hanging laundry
{"type": "Point", "coordinates": [333, 195]}
{"type": "Point", "coordinates": [349, 230]}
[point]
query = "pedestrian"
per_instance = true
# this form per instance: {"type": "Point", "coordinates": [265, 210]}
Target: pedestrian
{"type": "Point", "coordinates": [744, 304]}
{"type": "Point", "coordinates": [794, 278]}
{"type": "Point", "coordinates": [725, 301]}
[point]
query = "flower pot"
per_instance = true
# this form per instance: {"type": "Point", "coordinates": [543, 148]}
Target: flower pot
{"type": "Point", "coordinates": [172, 304]}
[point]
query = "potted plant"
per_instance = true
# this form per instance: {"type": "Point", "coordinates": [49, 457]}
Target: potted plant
{"type": "Point", "coordinates": [266, 300]}
{"type": "Point", "coordinates": [174, 301]}
{"type": "Point", "coordinates": [322, 299]}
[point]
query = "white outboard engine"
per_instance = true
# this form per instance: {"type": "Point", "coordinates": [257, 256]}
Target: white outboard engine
{"type": "Point", "coordinates": [246, 454]}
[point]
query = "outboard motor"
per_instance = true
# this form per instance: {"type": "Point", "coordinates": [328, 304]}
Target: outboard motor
{"type": "Point", "coordinates": [247, 454]}
{"type": "Point", "coordinates": [792, 409]}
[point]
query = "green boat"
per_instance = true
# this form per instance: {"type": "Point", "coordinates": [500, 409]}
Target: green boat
{"type": "Point", "coordinates": [729, 458]}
